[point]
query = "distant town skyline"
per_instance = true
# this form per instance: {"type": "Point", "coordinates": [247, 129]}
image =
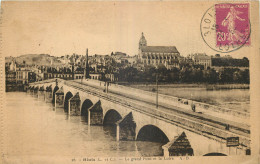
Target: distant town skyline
{"type": "Point", "coordinates": [60, 28]}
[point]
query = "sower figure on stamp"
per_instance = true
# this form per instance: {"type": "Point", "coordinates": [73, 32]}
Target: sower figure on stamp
{"type": "Point", "coordinates": [233, 35]}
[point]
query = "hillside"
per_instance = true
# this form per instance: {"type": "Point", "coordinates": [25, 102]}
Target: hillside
{"type": "Point", "coordinates": [38, 59]}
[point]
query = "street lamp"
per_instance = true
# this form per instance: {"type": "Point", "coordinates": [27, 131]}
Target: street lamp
{"type": "Point", "coordinates": [157, 89]}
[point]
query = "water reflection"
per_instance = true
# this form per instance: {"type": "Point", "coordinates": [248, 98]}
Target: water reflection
{"type": "Point", "coordinates": [110, 130]}
{"type": "Point", "coordinates": [154, 146]}
{"type": "Point", "coordinates": [38, 128]}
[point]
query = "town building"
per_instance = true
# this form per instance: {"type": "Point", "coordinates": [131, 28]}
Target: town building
{"type": "Point", "coordinates": [201, 59]}
{"type": "Point", "coordinates": [63, 73]}
{"type": "Point", "coordinates": [79, 73]}
{"type": "Point", "coordinates": [156, 55]}
{"type": "Point", "coordinates": [10, 80]}
{"type": "Point", "coordinates": [118, 55]}
{"type": "Point", "coordinates": [127, 60]}
{"type": "Point", "coordinates": [17, 76]}
{"type": "Point", "coordinates": [111, 77]}
{"type": "Point", "coordinates": [95, 76]}
{"type": "Point", "coordinates": [22, 76]}
{"type": "Point", "coordinates": [102, 60]}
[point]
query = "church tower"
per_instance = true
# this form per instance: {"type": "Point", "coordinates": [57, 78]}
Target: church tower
{"type": "Point", "coordinates": [142, 41]}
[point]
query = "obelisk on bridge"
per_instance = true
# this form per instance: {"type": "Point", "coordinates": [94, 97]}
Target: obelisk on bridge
{"type": "Point", "coordinates": [87, 66]}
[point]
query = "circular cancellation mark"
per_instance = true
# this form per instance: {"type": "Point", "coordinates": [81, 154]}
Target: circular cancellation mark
{"type": "Point", "coordinates": [225, 27]}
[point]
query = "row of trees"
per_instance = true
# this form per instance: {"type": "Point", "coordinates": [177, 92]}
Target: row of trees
{"type": "Point", "coordinates": [185, 75]}
{"type": "Point", "coordinates": [230, 62]}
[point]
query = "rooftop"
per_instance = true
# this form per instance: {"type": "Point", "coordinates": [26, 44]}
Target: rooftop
{"type": "Point", "coordinates": [201, 56]}
{"type": "Point", "coordinates": [160, 49]}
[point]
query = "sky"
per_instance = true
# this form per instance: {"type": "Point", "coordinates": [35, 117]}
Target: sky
{"type": "Point", "coordinates": [60, 28]}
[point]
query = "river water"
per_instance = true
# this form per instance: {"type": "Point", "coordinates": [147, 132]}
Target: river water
{"type": "Point", "coordinates": [235, 99]}
{"type": "Point", "coordinates": [37, 128]}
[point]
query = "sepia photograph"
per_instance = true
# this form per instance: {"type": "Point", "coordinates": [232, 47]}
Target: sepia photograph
{"type": "Point", "coordinates": [128, 81]}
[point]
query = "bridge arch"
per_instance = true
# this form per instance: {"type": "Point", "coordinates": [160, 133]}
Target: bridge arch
{"type": "Point", "coordinates": [56, 88]}
{"type": "Point", "coordinates": [85, 106]}
{"type": "Point", "coordinates": [66, 101]}
{"type": "Point", "coordinates": [152, 133]}
{"type": "Point", "coordinates": [215, 154]}
{"type": "Point", "coordinates": [111, 117]}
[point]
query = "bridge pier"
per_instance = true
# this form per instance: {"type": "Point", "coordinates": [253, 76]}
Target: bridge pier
{"type": "Point", "coordinates": [41, 92]}
{"type": "Point", "coordinates": [126, 128]}
{"type": "Point", "coordinates": [59, 98]}
{"type": "Point", "coordinates": [95, 114]}
{"type": "Point", "coordinates": [179, 146]}
{"type": "Point", "coordinates": [31, 90]}
{"type": "Point", "coordinates": [74, 105]}
{"type": "Point", "coordinates": [28, 89]}
{"type": "Point", "coordinates": [48, 94]}
{"type": "Point", "coordinates": [35, 92]}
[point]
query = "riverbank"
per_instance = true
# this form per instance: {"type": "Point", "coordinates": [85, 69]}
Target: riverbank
{"type": "Point", "coordinates": [227, 86]}
{"type": "Point", "coordinates": [237, 99]}
{"type": "Point", "coordinates": [177, 85]}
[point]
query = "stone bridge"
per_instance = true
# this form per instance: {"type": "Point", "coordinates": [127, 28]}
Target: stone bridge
{"type": "Point", "coordinates": [181, 131]}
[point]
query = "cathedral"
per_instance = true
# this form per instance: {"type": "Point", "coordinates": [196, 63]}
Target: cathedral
{"type": "Point", "coordinates": [155, 55]}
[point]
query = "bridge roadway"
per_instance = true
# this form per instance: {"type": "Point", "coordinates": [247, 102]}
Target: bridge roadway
{"type": "Point", "coordinates": [170, 113]}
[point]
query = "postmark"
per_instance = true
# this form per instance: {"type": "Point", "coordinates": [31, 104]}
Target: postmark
{"type": "Point", "coordinates": [225, 27]}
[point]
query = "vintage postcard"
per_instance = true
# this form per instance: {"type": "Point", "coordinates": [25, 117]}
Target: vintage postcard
{"type": "Point", "coordinates": [129, 82]}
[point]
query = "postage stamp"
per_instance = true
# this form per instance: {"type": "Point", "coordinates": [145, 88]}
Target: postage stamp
{"type": "Point", "coordinates": [225, 27]}
{"type": "Point", "coordinates": [232, 21]}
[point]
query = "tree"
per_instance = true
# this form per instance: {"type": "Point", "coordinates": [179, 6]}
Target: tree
{"type": "Point", "coordinates": [210, 76]}
{"type": "Point", "coordinates": [173, 75]}
{"type": "Point", "coordinates": [217, 55]}
{"type": "Point", "coordinates": [238, 76]}
{"type": "Point", "coordinates": [149, 73]}
{"type": "Point", "coordinates": [246, 76]}
{"type": "Point", "coordinates": [196, 75]}
{"type": "Point", "coordinates": [245, 58]}
{"type": "Point", "coordinates": [226, 75]}
{"type": "Point", "coordinates": [128, 74]}
{"type": "Point", "coordinates": [185, 75]}
{"type": "Point", "coordinates": [162, 73]}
